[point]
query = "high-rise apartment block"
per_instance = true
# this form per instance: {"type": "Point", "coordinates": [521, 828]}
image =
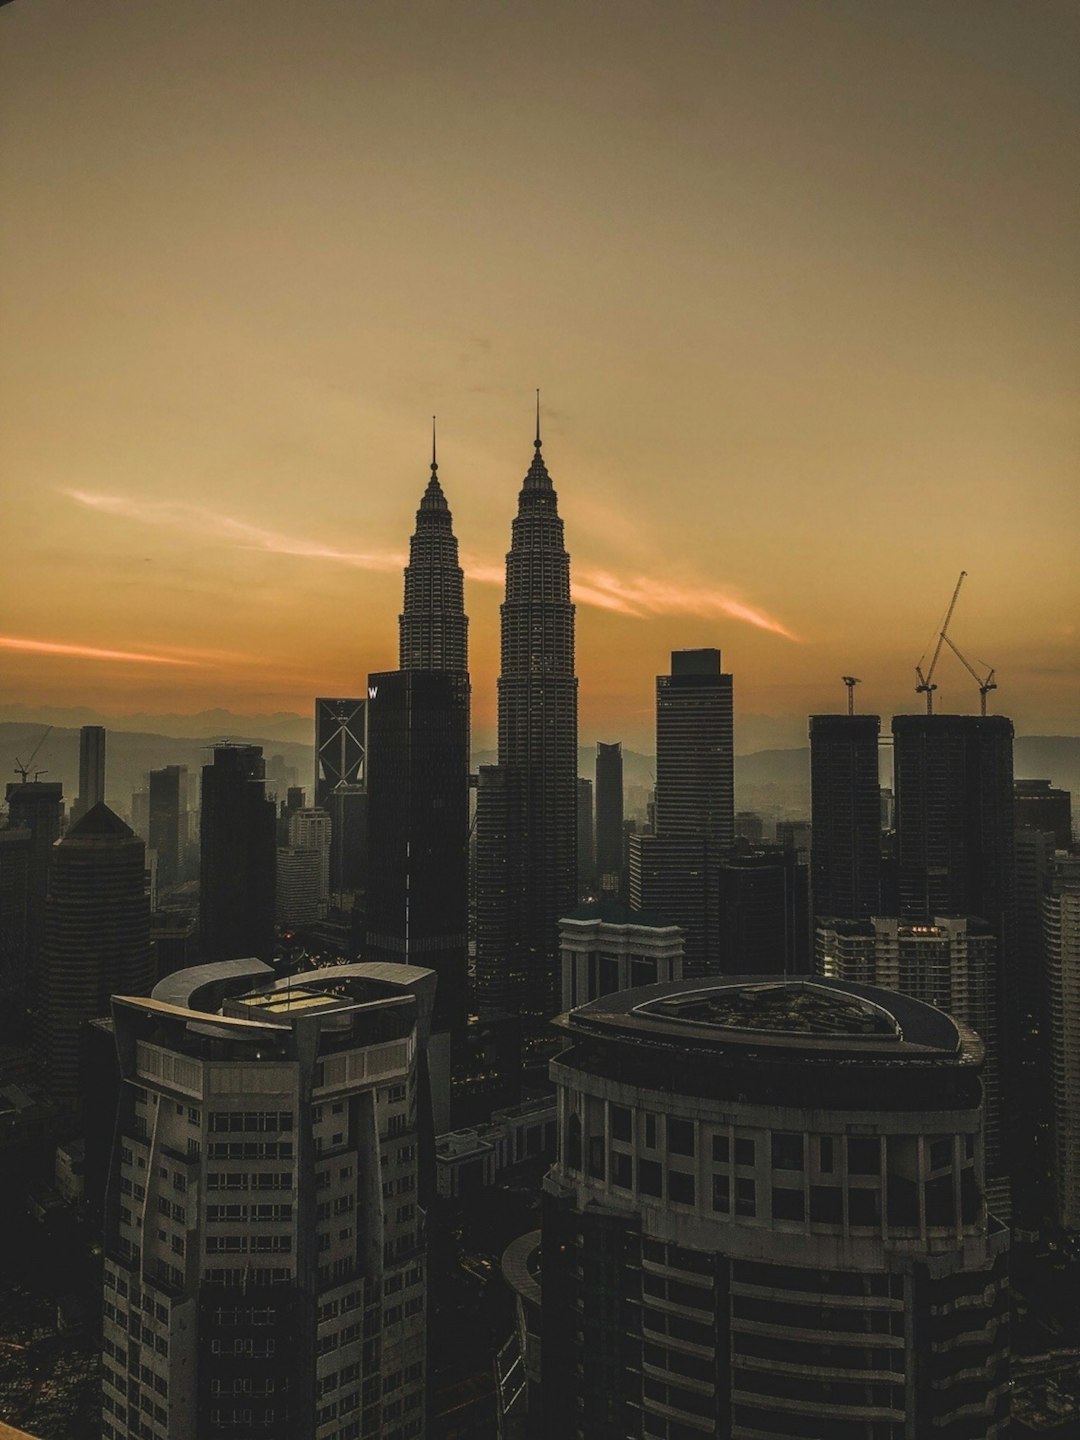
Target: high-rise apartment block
{"type": "Point", "coordinates": [237, 834]}
{"type": "Point", "coordinates": [586, 846]}
{"type": "Point", "coordinates": [766, 1219]}
{"type": "Point", "coordinates": [37, 807]}
{"type": "Point", "coordinates": [312, 829]}
{"type": "Point", "coordinates": [96, 941]}
{"type": "Point", "coordinates": [537, 711]}
{"type": "Point", "coordinates": [845, 801]}
{"type": "Point", "coordinates": [264, 1249]}
{"type": "Point", "coordinates": [609, 818]}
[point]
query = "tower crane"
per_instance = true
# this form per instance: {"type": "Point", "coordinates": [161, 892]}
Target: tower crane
{"type": "Point", "coordinates": [24, 770]}
{"type": "Point", "coordinates": [851, 681]}
{"type": "Point", "coordinates": [986, 682]}
{"type": "Point", "coordinates": [925, 685]}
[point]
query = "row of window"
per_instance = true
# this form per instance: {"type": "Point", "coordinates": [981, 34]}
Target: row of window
{"type": "Point", "coordinates": [266, 1121]}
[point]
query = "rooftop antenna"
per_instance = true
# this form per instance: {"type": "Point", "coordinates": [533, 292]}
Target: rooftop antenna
{"type": "Point", "coordinates": [851, 681]}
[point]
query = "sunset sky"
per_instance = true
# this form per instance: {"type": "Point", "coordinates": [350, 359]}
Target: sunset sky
{"type": "Point", "coordinates": [798, 281]}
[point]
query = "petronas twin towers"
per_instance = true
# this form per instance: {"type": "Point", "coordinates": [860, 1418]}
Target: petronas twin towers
{"type": "Point", "coordinates": [526, 820]}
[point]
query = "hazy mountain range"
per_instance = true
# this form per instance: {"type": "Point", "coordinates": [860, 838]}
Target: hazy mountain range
{"type": "Point", "coordinates": [774, 781]}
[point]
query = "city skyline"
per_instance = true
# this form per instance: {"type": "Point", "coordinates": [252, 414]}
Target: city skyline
{"type": "Point", "coordinates": [223, 345]}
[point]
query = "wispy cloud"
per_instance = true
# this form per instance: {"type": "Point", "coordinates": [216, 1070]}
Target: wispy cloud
{"type": "Point", "coordinates": [637, 596]}
{"type": "Point", "coordinates": [87, 652]}
{"type": "Point", "coordinates": [178, 515]}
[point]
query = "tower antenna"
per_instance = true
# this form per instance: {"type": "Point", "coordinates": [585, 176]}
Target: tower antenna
{"type": "Point", "coordinates": [851, 681]}
{"type": "Point", "coordinates": [536, 442]}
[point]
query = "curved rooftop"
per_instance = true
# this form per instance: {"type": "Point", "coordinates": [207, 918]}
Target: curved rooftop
{"type": "Point", "coordinates": [808, 1015]}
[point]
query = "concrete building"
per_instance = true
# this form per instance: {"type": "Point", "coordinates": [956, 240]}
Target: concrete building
{"type": "Point", "coordinates": [610, 863]}
{"type": "Point", "coordinates": [298, 895]}
{"type": "Point", "coordinates": [766, 1220]}
{"type": "Point", "coordinates": [607, 947]}
{"type": "Point", "coordinates": [264, 1245]}
{"type": "Point", "coordinates": [474, 1158]}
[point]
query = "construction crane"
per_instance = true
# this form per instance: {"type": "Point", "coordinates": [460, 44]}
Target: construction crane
{"type": "Point", "coordinates": [24, 770]}
{"type": "Point", "coordinates": [926, 684]}
{"type": "Point", "coordinates": [986, 682]}
{"type": "Point", "coordinates": [851, 681]}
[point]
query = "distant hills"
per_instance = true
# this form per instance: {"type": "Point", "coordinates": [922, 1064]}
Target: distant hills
{"type": "Point", "coordinates": [774, 781]}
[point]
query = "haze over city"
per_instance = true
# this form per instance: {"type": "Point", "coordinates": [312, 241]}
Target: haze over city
{"type": "Point", "coordinates": [798, 285]}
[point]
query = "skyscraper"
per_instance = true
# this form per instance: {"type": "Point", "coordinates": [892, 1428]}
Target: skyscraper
{"type": "Point", "coordinates": [586, 849]}
{"type": "Point", "coordinates": [538, 752]}
{"type": "Point", "coordinates": [1042, 806]}
{"type": "Point", "coordinates": [168, 822]}
{"type": "Point", "coordinates": [91, 769]}
{"type": "Point", "coordinates": [263, 1236]}
{"type": "Point", "coordinates": [38, 807]}
{"type": "Point", "coordinates": [340, 742]}
{"type": "Point", "coordinates": [96, 942]}
{"type": "Point", "coordinates": [766, 1219]}
{"type": "Point", "coordinates": [418, 771]}
{"type": "Point", "coordinates": [1061, 948]}
{"type": "Point", "coordinates": [238, 833]}
{"type": "Point", "coordinates": [845, 803]}
{"type": "Point", "coordinates": [609, 817]}
{"type": "Point", "coordinates": [675, 871]}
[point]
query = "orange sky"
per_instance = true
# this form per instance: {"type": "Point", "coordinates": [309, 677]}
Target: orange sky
{"type": "Point", "coordinates": [799, 283]}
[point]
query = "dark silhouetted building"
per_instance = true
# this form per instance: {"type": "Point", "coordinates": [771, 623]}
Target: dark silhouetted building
{"type": "Point", "coordinates": [91, 769]}
{"type": "Point", "coordinates": [766, 1219]}
{"type": "Point", "coordinates": [675, 870]}
{"type": "Point", "coordinates": [606, 946]}
{"type": "Point", "coordinates": [1061, 946]}
{"type": "Point", "coordinates": [762, 913]}
{"type": "Point", "coordinates": [1041, 806]}
{"type": "Point", "coordinates": [168, 823]}
{"type": "Point", "coordinates": [418, 772]}
{"type": "Point", "coordinates": [418, 814]}
{"type": "Point", "coordinates": [15, 848]}
{"type": "Point", "coordinates": [537, 708]}
{"type": "Point", "coordinates": [610, 843]}
{"type": "Point", "coordinates": [340, 742]}
{"type": "Point", "coordinates": [36, 806]}
{"type": "Point", "coordinates": [586, 848]}
{"type": "Point", "coordinates": [845, 802]}
{"type": "Point", "coordinates": [238, 832]}
{"type": "Point", "coordinates": [96, 942]}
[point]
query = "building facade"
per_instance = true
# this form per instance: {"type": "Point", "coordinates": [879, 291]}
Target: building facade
{"type": "Point", "coordinates": [91, 770]}
{"type": "Point", "coordinates": [168, 823]}
{"type": "Point", "coordinates": [340, 746]}
{"type": "Point", "coordinates": [766, 1220]}
{"type": "Point", "coordinates": [1042, 806]}
{"type": "Point", "coordinates": [610, 868]}
{"type": "Point", "coordinates": [264, 1250]}
{"type": "Point", "coordinates": [1061, 941]}
{"type": "Point", "coordinates": [606, 947]}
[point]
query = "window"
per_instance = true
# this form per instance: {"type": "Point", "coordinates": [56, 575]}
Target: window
{"type": "Point", "coordinates": [721, 1150]}
{"type": "Point", "coordinates": [650, 1178]}
{"type": "Point", "coordinates": [745, 1197]}
{"type": "Point", "coordinates": [787, 1204]}
{"type": "Point", "coordinates": [680, 1136]}
{"type": "Point", "coordinates": [787, 1151]}
{"type": "Point", "coordinates": [825, 1155]}
{"type": "Point", "coordinates": [620, 1122]}
{"type": "Point", "coordinates": [864, 1207]}
{"type": "Point", "coordinates": [863, 1155]}
{"type": "Point", "coordinates": [650, 1131]}
{"type": "Point", "coordinates": [680, 1187]}
{"type": "Point", "coordinates": [721, 1194]}
{"type": "Point", "coordinates": [744, 1152]}
{"type": "Point", "coordinates": [573, 1143]}
{"type": "Point", "coordinates": [941, 1152]}
{"type": "Point", "coordinates": [621, 1170]}
{"type": "Point", "coordinates": [826, 1204]}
